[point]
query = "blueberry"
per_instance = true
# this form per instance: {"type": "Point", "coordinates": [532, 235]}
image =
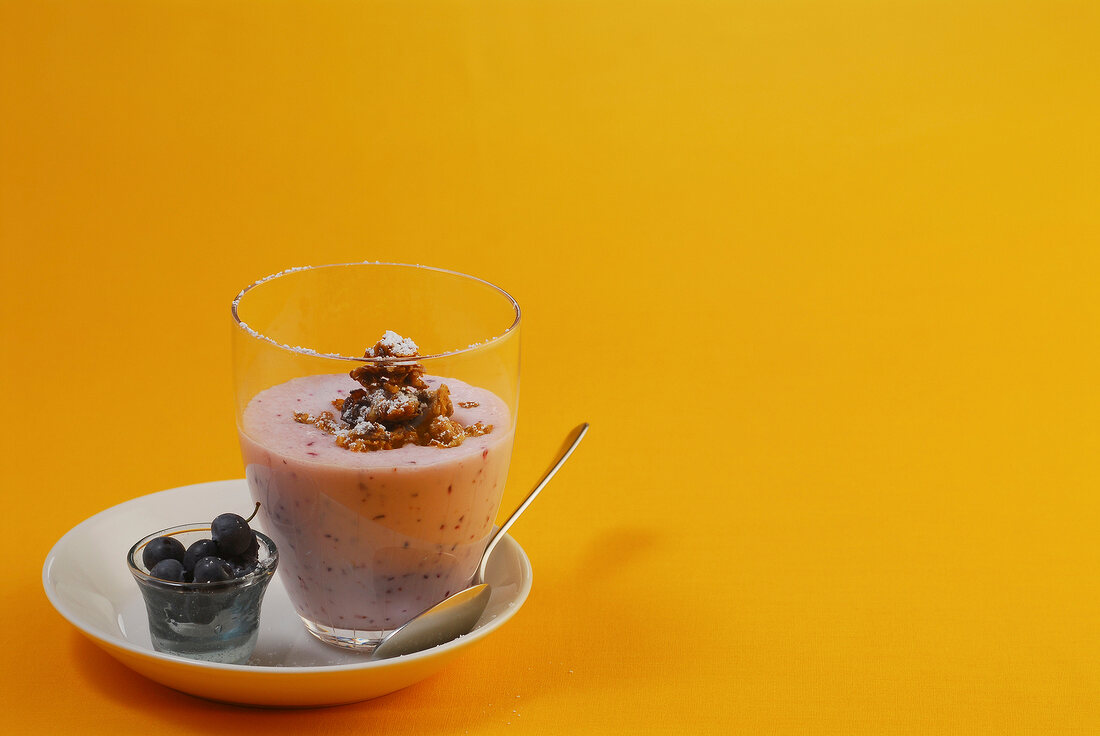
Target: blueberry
{"type": "Point", "coordinates": [241, 568]}
{"type": "Point", "coordinates": [198, 550]}
{"type": "Point", "coordinates": [232, 534]}
{"type": "Point", "coordinates": [161, 548]}
{"type": "Point", "coordinates": [252, 554]}
{"type": "Point", "coordinates": [212, 570]}
{"type": "Point", "coordinates": [170, 569]}
{"type": "Point", "coordinates": [245, 562]}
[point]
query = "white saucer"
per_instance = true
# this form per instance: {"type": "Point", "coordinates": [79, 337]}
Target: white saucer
{"type": "Point", "coordinates": [87, 581]}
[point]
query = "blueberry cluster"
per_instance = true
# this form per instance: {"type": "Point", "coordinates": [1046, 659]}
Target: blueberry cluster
{"type": "Point", "coordinates": [231, 552]}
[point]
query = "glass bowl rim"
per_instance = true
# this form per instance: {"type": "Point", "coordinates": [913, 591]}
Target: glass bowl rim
{"type": "Point", "coordinates": [241, 324]}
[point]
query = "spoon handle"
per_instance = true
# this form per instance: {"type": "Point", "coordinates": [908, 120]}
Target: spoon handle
{"type": "Point", "coordinates": [571, 443]}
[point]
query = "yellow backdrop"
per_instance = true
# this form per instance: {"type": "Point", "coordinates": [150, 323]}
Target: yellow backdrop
{"type": "Point", "coordinates": [822, 275]}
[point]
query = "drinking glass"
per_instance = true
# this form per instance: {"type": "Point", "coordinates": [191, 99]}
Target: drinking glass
{"type": "Point", "coordinates": [369, 539]}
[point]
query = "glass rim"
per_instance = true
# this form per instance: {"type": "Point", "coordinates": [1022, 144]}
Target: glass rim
{"type": "Point", "coordinates": [264, 568]}
{"type": "Point", "coordinates": [244, 326]}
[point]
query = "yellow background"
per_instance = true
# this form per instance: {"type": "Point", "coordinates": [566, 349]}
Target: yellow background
{"type": "Point", "coordinates": [822, 275]}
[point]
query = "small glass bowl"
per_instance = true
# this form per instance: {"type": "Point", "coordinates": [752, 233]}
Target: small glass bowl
{"type": "Point", "coordinates": [216, 622]}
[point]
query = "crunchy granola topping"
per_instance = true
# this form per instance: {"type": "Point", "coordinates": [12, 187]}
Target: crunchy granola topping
{"type": "Point", "coordinates": [395, 407]}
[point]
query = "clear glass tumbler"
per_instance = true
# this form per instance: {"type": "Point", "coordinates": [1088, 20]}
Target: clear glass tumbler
{"type": "Point", "coordinates": [368, 538]}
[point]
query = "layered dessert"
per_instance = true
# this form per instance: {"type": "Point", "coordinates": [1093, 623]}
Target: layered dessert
{"type": "Point", "coordinates": [380, 488]}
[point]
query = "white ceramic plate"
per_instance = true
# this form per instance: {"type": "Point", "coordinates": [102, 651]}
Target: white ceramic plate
{"type": "Point", "coordinates": [87, 581]}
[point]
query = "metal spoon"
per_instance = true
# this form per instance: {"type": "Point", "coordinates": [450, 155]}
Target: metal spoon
{"type": "Point", "coordinates": [457, 614]}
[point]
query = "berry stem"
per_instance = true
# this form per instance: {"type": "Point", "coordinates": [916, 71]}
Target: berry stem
{"type": "Point", "coordinates": [253, 514]}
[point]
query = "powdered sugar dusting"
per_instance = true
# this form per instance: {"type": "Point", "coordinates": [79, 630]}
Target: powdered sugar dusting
{"type": "Point", "coordinates": [401, 401]}
{"type": "Point", "coordinates": [362, 428]}
{"type": "Point", "coordinates": [295, 348]}
{"type": "Point", "coordinates": [395, 345]}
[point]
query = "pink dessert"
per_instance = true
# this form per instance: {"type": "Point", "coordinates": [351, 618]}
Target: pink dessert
{"type": "Point", "coordinates": [369, 539]}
